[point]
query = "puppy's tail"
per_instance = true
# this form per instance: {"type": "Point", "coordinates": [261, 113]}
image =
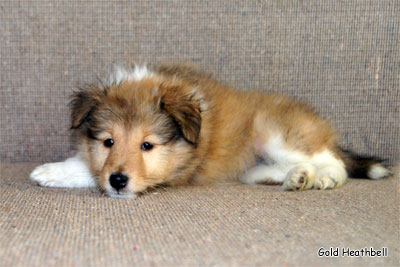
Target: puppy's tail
{"type": "Point", "coordinates": [358, 166]}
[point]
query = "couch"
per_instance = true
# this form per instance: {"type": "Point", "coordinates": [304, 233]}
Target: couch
{"type": "Point", "coordinates": [341, 57]}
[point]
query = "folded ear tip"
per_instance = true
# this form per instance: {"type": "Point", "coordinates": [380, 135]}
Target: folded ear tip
{"type": "Point", "coordinates": [191, 130]}
{"type": "Point", "coordinates": [82, 105]}
{"type": "Point", "coordinates": [186, 112]}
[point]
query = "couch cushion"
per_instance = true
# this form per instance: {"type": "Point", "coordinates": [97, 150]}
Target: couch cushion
{"type": "Point", "coordinates": [223, 225]}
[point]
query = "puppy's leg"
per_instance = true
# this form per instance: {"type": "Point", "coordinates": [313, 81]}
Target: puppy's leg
{"type": "Point", "coordinates": [321, 171]}
{"type": "Point", "coordinates": [330, 170]}
{"type": "Point", "coordinates": [265, 174]}
{"type": "Point", "coordinates": [295, 169]}
{"type": "Point", "coordinates": [73, 172]}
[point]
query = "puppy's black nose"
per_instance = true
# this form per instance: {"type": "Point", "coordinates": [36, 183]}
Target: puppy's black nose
{"type": "Point", "coordinates": [118, 180]}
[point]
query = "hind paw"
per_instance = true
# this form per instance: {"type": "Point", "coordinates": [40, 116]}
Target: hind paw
{"type": "Point", "coordinates": [329, 177]}
{"type": "Point", "coordinates": [299, 178]}
{"type": "Point", "coordinates": [325, 182]}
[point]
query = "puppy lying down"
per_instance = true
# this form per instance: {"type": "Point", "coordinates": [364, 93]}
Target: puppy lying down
{"type": "Point", "coordinates": [174, 124]}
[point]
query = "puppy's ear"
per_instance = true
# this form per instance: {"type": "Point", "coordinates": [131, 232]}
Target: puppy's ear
{"type": "Point", "coordinates": [82, 104]}
{"type": "Point", "coordinates": [183, 107]}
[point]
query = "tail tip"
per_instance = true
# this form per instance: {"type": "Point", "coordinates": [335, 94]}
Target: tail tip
{"type": "Point", "coordinates": [378, 171]}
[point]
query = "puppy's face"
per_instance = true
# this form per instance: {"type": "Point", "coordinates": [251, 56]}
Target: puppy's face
{"type": "Point", "coordinates": [137, 134]}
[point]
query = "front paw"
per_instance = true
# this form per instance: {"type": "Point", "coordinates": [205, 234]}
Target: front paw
{"type": "Point", "coordinates": [48, 175]}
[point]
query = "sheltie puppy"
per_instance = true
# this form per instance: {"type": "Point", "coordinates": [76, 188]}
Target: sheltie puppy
{"type": "Point", "coordinates": [175, 124]}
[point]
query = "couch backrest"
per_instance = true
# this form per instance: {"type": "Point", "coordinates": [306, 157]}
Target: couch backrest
{"type": "Point", "coordinates": [340, 56]}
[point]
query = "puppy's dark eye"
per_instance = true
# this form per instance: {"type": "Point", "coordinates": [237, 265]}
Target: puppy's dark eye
{"type": "Point", "coordinates": [146, 146]}
{"type": "Point", "coordinates": [108, 142]}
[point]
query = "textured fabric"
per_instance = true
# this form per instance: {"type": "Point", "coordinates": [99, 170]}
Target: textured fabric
{"type": "Point", "coordinates": [219, 225]}
{"type": "Point", "coordinates": [340, 56]}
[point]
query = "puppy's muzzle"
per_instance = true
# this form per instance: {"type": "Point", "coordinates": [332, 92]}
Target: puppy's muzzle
{"type": "Point", "coordinates": [118, 180]}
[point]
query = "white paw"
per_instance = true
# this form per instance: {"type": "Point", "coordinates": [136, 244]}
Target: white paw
{"type": "Point", "coordinates": [300, 177]}
{"type": "Point", "coordinates": [70, 173]}
{"type": "Point", "coordinates": [49, 175]}
{"type": "Point", "coordinates": [329, 177]}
